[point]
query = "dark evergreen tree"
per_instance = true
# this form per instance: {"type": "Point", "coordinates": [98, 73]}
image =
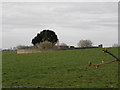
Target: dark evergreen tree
{"type": "Point", "coordinates": [45, 35]}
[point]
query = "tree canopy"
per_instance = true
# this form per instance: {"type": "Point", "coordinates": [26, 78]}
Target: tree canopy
{"type": "Point", "coordinates": [85, 43]}
{"type": "Point", "coordinates": [45, 35]}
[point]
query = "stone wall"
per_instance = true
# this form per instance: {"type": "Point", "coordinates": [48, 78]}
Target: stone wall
{"type": "Point", "coordinates": [20, 51]}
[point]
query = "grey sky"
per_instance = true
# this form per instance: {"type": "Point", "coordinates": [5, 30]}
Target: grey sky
{"type": "Point", "coordinates": [96, 21]}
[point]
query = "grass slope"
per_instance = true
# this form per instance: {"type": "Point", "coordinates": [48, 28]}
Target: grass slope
{"type": "Point", "coordinates": [60, 69]}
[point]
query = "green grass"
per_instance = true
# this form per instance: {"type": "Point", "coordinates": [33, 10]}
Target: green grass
{"type": "Point", "coordinates": [60, 69]}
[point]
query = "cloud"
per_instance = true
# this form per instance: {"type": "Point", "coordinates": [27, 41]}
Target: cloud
{"type": "Point", "coordinates": [61, 17]}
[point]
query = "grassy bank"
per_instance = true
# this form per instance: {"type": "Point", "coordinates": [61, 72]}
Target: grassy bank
{"type": "Point", "coordinates": [60, 69]}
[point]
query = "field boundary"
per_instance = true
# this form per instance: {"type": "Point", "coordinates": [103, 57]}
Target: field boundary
{"type": "Point", "coordinates": [25, 51]}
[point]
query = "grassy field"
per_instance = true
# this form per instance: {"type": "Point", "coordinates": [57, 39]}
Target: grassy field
{"type": "Point", "coordinates": [60, 69]}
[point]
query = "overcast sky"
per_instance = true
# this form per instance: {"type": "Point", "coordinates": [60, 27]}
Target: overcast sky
{"type": "Point", "coordinates": [96, 21]}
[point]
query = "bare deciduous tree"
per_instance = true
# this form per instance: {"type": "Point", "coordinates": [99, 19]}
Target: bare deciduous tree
{"type": "Point", "coordinates": [63, 44]}
{"type": "Point", "coordinates": [85, 43]}
{"type": "Point", "coordinates": [45, 45]}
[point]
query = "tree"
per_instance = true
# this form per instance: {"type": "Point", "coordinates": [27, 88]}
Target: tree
{"type": "Point", "coordinates": [63, 44]}
{"type": "Point", "coordinates": [45, 35]}
{"type": "Point", "coordinates": [45, 45]}
{"type": "Point", "coordinates": [85, 43]}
